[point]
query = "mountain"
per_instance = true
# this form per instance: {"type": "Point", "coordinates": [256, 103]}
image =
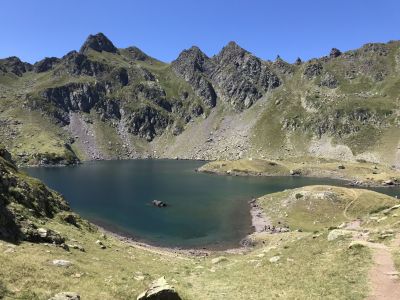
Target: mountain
{"type": "Point", "coordinates": [105, 103]}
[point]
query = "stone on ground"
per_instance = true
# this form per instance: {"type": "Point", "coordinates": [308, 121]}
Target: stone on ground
{"type": "Point", "coordinates": [61, 263]}
{"type": "Point", "coordinates": [160, 290]}
{"type": "Point", "coordinates": [66, 296]}
{"type": "Point", "coordinates": [338, 233]}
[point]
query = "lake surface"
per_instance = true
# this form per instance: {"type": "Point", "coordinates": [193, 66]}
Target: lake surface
{"type": "Point", "coordinates": [203, 210]}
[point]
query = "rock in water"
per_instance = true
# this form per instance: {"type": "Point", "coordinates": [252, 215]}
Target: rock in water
{"type": "Point", "coordinates": [66, 296]}
{"type": "Point", "coordinates": [159, 203]}
{"type": "Point", "coordinates": [159, 290]}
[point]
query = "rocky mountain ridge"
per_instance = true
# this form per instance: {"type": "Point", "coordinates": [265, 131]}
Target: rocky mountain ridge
{"type": "Point", "coordinates": [103, 102]}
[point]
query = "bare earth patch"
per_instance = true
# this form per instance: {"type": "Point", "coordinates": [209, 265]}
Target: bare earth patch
{"type": "Point", "coordinates": [384, 278]}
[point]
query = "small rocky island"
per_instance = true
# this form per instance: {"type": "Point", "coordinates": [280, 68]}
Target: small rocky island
{"type": "Point", "coordinates": [159, 203]}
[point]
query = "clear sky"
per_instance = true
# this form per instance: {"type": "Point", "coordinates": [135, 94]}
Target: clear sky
{"type": "Point", "coordinates": [33, 29]}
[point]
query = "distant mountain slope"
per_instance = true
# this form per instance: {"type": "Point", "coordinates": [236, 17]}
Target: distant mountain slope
{"type": "Point", "coordinates": [103, 102]}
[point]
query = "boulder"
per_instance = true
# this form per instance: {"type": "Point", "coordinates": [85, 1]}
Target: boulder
{"type": "Point", "coordinates": [338, 233]}
{"type": "Point", "coordinates": [66, 296]}
{"type": "Point", "coordinates": [357, 245]}
{"type": "Point", "coordinates": [295, 172]}
{"type": "Point", "coordinates": [159, 290]}
{"type": "Point", "coordinates": [159, 203]}
{"type": "Point", "coordinates": [100, 243]}
{"type": "Point", "coordinates": [274, 259]}
{"type": "Point", "coordinates": [61, 263]}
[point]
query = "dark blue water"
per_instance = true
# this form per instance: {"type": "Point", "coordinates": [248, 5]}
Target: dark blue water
{"type": "Point", "coordinates": [203, 210]}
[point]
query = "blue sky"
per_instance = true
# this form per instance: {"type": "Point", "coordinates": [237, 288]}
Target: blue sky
{"type": "Point", "coordinates": [162, 28]}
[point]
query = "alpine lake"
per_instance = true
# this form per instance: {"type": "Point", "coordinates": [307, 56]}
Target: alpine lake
{"type": "Point", "coordinates": [203, 210]}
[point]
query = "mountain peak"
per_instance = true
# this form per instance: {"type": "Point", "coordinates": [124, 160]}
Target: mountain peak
{"type": "Point", "coordinates": [231, 50]}
{"type": "Point", "coordinates": [192, 58]}
{"type": "Point", "coordinates": [98, 42]}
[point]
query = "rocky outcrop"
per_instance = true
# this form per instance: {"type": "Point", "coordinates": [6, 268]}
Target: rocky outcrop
{"type": "Point", "coordinates": [146, 122]}
{"type": "Point", "coordinates": [14, 65]}
{"type": "Point", "coordinates": [22, 198]}
{"type": "Point", "coordinates": [151, 90]}
{"type": "Point", "coordinates": [75, 63]}
{"type": "Point", "coordinates": [76, 96]}
{"type": "Point", "coordinates": [98, 42]}
{"type": "Point", "coordinates": [159, 290]}
{"type": "Point", "coordinates": [328, 80]}
{"type": "Point", "coordinates": [45, 64]}
{"type": "Point", "coordinates": [135, 53]}
{"type": "Point", "coordinates": [242, 77]}
{"type": "Point", "coordinates": [108, 109]}
{"type": "Point", "coordinates": [313, 69]}
{"type": "Point", "coordinates": [282, 67]}
{"type": "Point", "coordinates": [191, 66]}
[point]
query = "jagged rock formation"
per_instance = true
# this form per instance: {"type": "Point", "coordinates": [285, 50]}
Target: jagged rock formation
{"type": "Point", "coordinates": [242, 77]}
{"type": "Point", "coordinates": [98, 42]}
{"type": "Point", "coordinates": [14, 65]}
{"type": "Point", "coordinates": [46, 64]}
{"type": "Point", "coordinates": [128, 104]}
{"type": "Point", "coordinates": [192, 65]}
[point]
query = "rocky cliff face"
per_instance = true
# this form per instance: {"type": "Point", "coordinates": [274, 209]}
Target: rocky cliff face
{"type": "Point", "coordinates": [240, 77]}
{"type": "Point", "coordinates": [135, 106]}
{"type": "Point", "coordinates": [22, 201]}
{"type": "Point", "coordinates": [193, 66]}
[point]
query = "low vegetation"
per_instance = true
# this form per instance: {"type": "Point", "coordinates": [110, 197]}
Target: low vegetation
{"type": "Point", "coordinates": [359, 172]}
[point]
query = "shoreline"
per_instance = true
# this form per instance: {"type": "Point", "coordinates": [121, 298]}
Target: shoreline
{"type": "Point", "coordinates": [260, 223]}
{"type": "Point", "coordinates": [193, 252]}
{"type": "Point", "coordinates": [351, 182]}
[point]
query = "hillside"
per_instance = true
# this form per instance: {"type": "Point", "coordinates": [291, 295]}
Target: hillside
{"type": "Point", "coordinates": [327, 250]}
{"type": "Point", "coordinates": [102, 102]}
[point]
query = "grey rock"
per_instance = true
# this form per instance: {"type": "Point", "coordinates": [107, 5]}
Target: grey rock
{"type": "Point", "coordinates": [159, 203]}
{"type": "Point", "coordinates": [135, 53]}
{"type": "Point", "coordinates": [61, 263]}
{"type": "Point", "coordinates": [76, 96]}
{"type": "Point", "coordinates": [159, 290]}
{"type": "Point", "coordinates": [329, 81]}
{"type": "Point", "coordinates": [313, 69]}
{"type": "Point", "coordinates": [75, 63]}
{"type": "Point", "coordinates": [98, 42]}
{"type": "Point", "coordinates": [191, 66]}
{"type": "Point", "coordinates": [242, 77]}
{"type": "Point", "coordinates": [14, 65]}
{"type": "Point", "coordinates": [45, 64]}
